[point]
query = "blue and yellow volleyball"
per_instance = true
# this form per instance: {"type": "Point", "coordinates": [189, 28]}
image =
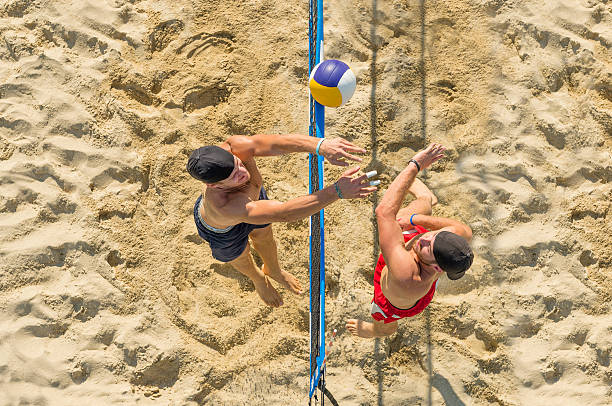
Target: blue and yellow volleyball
{"type": "Point", "coordinates": [332, 83]}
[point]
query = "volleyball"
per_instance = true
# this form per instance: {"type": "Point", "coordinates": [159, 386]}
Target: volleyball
{"type": "Point", "coordinates": [332, 83]}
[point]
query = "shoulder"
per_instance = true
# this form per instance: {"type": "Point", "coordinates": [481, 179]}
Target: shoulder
{"type": "Point", "coordinates": [406, 273]}
{"type": "Point", "coordinates": [463, 231]}
{"type": "Point", "coordinates": [241, 146]}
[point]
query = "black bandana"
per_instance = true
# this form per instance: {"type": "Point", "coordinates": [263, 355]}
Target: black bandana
{"type": "Point", "coordinates": [210, 164]}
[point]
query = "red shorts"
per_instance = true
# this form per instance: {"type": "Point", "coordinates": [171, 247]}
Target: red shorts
{"type": "Point", "coordinates": [382, 309]}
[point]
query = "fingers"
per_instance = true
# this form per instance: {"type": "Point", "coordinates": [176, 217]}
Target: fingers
{"type": "Point", "coordinates": [366, 194]}
{"type": "Point", "coordinates": [349, 146]}
{"type": "Point", "coordinates": [353, 148]}
{"type": "Point", "coordinates": [351, 157]}
{"type": "Point", "coordinates": [366, 182]}
{"type": "Point", "coordinates": [435, 148]}
{"type": "Point", "coordinates": [339, 149]}
{"type": "Point", "coordinates": [361, 179]}
{"type": "Point", "coordinates": [364, 191]}
{"type": "Point", "coordinates": [351, 171]}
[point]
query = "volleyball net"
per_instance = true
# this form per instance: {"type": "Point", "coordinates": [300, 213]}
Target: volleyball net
{"type": "Point", "coordinates": [317, 242]}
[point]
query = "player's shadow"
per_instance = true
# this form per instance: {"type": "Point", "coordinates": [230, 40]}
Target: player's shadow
{"type": "Point", "coordinates": [228, 271]}
{"type": "Point", "coordinates": [446, 390]}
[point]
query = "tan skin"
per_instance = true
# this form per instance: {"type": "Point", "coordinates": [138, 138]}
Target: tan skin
{"type": "Point", "coordinates": [236, 200]}
{"type": "Point", "coordinates": [411, 267]}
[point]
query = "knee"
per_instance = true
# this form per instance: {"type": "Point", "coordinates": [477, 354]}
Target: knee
{"type": "Point", "coordinates": [261, 233]}
{"type": "Point", "coordinates": [428, 202]}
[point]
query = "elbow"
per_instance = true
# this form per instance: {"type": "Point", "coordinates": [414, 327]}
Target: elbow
{"type": "Point", "coordinates": [281, 215]}
{"type": "Point", "coordinates": [383, 210]}
{"type": "Point", "coordinates": [284, 218]}
{"type": "Point", "coordinates": [468, 233]}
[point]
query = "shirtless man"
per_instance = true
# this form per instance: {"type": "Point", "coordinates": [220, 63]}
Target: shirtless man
{"type": "Point", "coordinates": [234, 207]}
{"type": "Point", "coordinates": [412, 258]}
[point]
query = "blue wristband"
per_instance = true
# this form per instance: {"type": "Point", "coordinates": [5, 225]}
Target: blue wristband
{"type": "Point", "coordinates": [319, 146]}
{"type": "Point", "coordinates": [411, 219]}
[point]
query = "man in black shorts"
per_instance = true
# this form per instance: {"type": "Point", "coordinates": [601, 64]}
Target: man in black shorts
{"type": "Point", "coordinates": [234, 207]}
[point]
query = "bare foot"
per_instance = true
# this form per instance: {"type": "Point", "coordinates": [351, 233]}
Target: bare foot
{"type": "Point", "coordinates": [267, 292]}
{"type": "Point", "coordinates": [360, 328]}
{"type": "Point", "coordinates": [418, 189]}
{"type": "Point", "coordinates": [286, 279]}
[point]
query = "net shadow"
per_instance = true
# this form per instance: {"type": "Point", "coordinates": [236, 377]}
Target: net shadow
{"type": "Point", "coordinates": [423, 70]}
{"type": "Point", "coordinates": [374, 144]}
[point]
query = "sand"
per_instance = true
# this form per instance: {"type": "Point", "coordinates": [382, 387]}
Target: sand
{"type": "Point", "coordinates": [108, 295]}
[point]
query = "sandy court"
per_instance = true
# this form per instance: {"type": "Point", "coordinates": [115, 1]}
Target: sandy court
{"type": "Point", "coordinates": [109, 296]}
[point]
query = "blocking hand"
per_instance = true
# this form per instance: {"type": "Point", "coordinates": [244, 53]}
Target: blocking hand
{"type": "Point", "coordinates": [429, 155]}
{"type": "Point", "coordinates": [354, 187]}
{"type": "Point", "coordinates": [405, 224]}
{"type": "Point", "coordinates": [337, 149]}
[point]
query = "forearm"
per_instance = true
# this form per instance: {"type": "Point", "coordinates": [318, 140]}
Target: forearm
{"type": "Point", "coordinates": [262, 212]}
{"type": "Point", "coordinates": [435, 223]}
{"type": "Point", "coordinates": [270, 145]}
{"type": "Point", "coordinates": [305, 206]}
{"type": "Point", "coordinates": [394, 196]}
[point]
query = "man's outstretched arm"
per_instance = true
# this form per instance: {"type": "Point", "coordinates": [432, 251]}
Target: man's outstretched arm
{"type": "Point", "coordinates": [394, 196]}
{"type": "Point", "coordinates": [389, 231]}
{"type": "Point", "coordinates": [269, 211]}
{"type": "Point", "coordinates": [334, 150]}
{"type": "Point", "coordinates": [391, 243]}
{"type": "Point", "coordinates": [442, 223]}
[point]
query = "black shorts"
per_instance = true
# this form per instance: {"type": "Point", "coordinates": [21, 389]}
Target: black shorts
{"type": "Point", "coordinates": [229, 245]}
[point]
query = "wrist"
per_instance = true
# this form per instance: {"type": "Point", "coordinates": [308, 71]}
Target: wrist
{"type": "Point", "coordinates": [415, 164]}
{"type": "Point", "coordinates": [319, 146]}
{"type": "Point", "coordinates": [412, 219]}
{"type": "Point", "coordinates": [338, 191]}
{"type": "Point", "coordinates": [410, 170]}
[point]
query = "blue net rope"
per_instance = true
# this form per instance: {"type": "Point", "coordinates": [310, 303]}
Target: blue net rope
{"type": "Point", "coordinates": [317, 243]}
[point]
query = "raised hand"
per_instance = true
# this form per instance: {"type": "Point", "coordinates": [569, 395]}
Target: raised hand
{"type": "Point", "coordinates": [405, 224]}
{"type": "Point", "coordinates": [337, 149]}
{"type": "Point", "coordinates": [354, 187]}
{"type": "Point", "coordinates": [429, 155]}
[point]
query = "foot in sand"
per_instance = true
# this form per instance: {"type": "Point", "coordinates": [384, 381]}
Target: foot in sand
{"type": "Point", "coordinates": [360, 328]}
{"type": "Point", "coordinates": [286, 279]}
{"type": "Point", "coordinates": [366, 329]}
{"type": "Point", "coordinates": [267, 292]}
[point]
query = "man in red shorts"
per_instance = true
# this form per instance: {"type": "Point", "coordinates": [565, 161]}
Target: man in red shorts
{"type": "Point", "coordinates": [416, 249]}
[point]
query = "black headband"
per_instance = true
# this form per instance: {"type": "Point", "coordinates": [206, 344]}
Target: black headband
{"type": "Point", "coordinates": [210, 164]}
